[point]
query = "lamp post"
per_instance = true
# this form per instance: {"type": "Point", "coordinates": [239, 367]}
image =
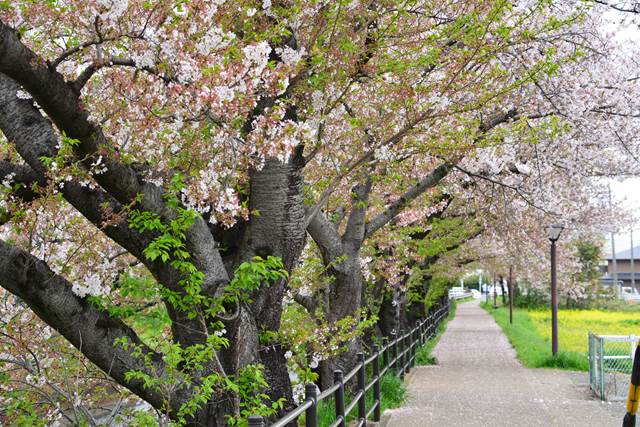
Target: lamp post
{"type": "Point", "coordinates": [553, 232]}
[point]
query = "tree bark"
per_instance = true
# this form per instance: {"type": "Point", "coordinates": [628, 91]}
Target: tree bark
{"type": "Point", "coordinates": [278, 230]}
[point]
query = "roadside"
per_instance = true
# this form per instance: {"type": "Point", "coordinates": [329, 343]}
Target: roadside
{"type": "Point", "coordinates": [532, 348]}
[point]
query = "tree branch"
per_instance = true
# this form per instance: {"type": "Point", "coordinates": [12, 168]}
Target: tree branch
{"type": "Point", "coordinates": [35, 138]}
{"type": "Point", "coordinates": [393, 209]}
{"type": "Point", "coordinates": [354, 233]}
{"type": "Point", "coordinates": [84, 326]}
{"type": "Point", "coordinates": [22, 175]}
{"type": "Point", "coordinates": [62, 105]}
{"type": "Point", "coordinates": [97, 65]}
{"type": "Point", "coordinates": [323, 232]}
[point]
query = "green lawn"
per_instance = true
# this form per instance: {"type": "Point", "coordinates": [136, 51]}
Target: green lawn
{"type": "Point", "coordinates": [530, 333]}
{"type": "Point", "coordinates": [534, 351]}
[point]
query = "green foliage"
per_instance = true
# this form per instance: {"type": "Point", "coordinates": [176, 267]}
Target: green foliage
{"type": "Point", "coordinates": [21, 409]}
{"type": "Point", "coordinates": [589, 254]}
{"type": "Point", "coordinates": [64, 154]}
{"type": "Point", "coordinates": [139, 418]}
{"type": "Point", "coordinates": [250, 388]}
{"type": "Point", "coordinates": [185, 365]}
{"type": "Point", "coordinates": [438, 288]}
{"type": "Point", "coordinates": [249, 276]}
{"type": "Point", "coordinates": [532, 298]}
{"type": "Point", "coordinates": [138, 306]}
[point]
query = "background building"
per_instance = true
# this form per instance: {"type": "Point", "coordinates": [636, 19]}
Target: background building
{"type": "Point", "coordinates": [628, 272]}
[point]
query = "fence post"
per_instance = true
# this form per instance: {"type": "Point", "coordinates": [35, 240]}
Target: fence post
{"type": "Point", "coordinates": [601, 363]}
{"type": "Point", "coordinates": [394, 347]}
{"type": "Point", "coordinates": [385, 352]}
{"type": "Point", "coordinates": [432, 327]}
{"type": "Point", "coordinates": [629, 419]}
{"type": "Point", "coordinates": [362, 410]}
{"type": "Point", "coordinates": [418, 345]}
{"type": "Point", "coordinates": [412, 347]}
{"type": "Point", "coordinates": [408, 345]}
{"type": "Point", "coordinates": [591, 372]}
{"type": "Point", "coordinates": [401, 351]}
{"type": "Point", "coordinates": [339, 397]}
{"type": "Point", "coordinates": [311, 392]}
{"type": "Point", "coordinates": [376, 384]}
{"type": "Point", "coordinates": [256, 421]}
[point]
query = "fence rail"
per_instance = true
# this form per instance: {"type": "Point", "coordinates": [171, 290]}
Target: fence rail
{"type": "Point", "coordinates": [610, 363]}
{"type": "Point", "coordinates": [397, 354]}
{"type": "Point", "coordinates": [460, 295]}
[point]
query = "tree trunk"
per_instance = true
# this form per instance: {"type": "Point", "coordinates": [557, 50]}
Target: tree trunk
{"type": "Point", "coordinates": [504, 297]}
{"type": "Point", "coordinates": [278, 230]}
{"type": "Point", "coordinates": [344, 300]}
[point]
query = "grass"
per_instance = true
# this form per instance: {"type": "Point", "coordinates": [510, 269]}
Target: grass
{"type": "Point", "coordinates": [532, 346]}
{"type": "Point", "coordinates": [393, 391]}
{"type": "Point", "coordinates": [423, 354]}
{"type": "Point", "coordinates": [530, 333]}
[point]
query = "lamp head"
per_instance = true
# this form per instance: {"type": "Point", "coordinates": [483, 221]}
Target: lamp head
{"type": "Point", "coordinates": [553, 231]}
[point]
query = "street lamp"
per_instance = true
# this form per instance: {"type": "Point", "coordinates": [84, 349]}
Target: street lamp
{"type": "Point", "coordinates": [553, 232]}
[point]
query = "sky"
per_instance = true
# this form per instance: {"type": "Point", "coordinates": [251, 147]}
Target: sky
{"type": "Point", "coordinates": [626, 192]}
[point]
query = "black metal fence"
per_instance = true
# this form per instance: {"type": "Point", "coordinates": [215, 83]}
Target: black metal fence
{"type": "Point", "coordinates": [398, 354]}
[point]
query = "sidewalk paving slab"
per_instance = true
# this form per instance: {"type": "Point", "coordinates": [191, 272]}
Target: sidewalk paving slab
{"type": "Point", "coordinates": [479, 382]}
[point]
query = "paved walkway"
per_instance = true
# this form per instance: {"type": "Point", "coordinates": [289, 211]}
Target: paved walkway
{"type": "Point", "coordinates": [479, 382]}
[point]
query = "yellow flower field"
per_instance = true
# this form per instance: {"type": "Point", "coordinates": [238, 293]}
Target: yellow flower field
{"type": "Point", "coordinates": [574, 326]}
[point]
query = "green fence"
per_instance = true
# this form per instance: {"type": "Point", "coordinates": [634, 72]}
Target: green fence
{"type": "Point", "coordinates": [610, 363]}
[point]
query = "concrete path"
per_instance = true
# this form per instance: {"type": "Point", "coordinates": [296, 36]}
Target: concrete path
{"type": "Point", "coordinates": [479, 382]}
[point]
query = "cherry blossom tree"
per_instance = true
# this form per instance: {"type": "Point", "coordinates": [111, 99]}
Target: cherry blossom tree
{"type": "Point", "coordinates": [167, 160]}
{"type": "Point", "coordinates": [478, 94]}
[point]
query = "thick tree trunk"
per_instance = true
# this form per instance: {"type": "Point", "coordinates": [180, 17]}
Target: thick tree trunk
{"type": "Point", "coordinates": [344, 300]}
{"type": "Point", "coordinates": [388, 314]}
{"type": "Point", "coordinates": [277, 230]}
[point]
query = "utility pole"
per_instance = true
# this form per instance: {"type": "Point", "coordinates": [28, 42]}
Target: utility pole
{"type": "Point", "coordinates": [613, 252]}
{"type": "Point", "coordinates": [495, 293]}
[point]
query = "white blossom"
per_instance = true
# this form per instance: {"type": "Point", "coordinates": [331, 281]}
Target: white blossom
{"type": "Point", "coordinates": [258, 55]}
